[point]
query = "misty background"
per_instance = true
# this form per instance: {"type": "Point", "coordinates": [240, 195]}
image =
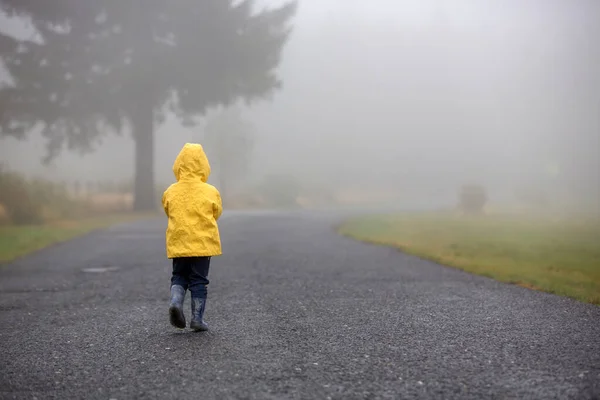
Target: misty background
{"type": "Point", "coordinates": [412, 96]}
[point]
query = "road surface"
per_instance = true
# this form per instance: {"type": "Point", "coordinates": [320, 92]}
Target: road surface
{"type": "Point", "coordinates": [296, 312]}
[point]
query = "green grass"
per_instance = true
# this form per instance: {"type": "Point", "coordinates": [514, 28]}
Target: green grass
{"type": "Point", "coordinates": [555, 255]}
{"type": "Point", "coordinates": [17, 241]}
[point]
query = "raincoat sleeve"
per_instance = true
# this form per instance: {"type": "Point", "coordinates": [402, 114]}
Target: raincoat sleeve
{"type": "Point", "coordinates": [165, 203]}
{"type": "Point", "coordinates": [217, 206]}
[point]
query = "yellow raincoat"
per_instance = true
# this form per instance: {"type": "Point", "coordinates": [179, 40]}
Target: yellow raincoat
{"type": "Point", "coordinates": [193, 207]}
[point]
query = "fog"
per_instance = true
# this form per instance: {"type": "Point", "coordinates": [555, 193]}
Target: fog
{"type": "Point", "coordinates": [412, 96]}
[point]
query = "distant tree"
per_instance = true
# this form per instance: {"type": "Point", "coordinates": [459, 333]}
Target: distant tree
{"type": "Point", "coordinates": [472, 199]}
{"type": "Point", "coordinates": [109, 64]}
{"type": "Point", "coordinates": [229, 138]}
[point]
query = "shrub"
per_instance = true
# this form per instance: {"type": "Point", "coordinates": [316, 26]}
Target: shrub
{"type": "Point", "coordinates": [20, 205]}
{"type": "Point", "coordinates": [36, 201]}
{"type": "Point", "coordinates": [4, 219]}
{"type": "Point", "coordinates": [472, 199]}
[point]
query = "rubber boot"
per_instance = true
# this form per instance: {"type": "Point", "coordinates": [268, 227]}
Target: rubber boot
{"type": "Point", "coordinates": [176, 316]}
{"type": "Point", "coordinates": [197, 323]}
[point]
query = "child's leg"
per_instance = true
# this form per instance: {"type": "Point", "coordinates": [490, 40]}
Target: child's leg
{"type": "Point", "coordinates": [179, 284]}
{"type": "Point", "coordinates": [198, 279]}
{"type": "Point", "coordinates": [181, 272]}
{"type": "Point", "coordinates": [198, 282]}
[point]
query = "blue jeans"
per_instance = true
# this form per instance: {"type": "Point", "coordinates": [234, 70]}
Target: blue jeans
{"type": "Point", "coordinates": [192, 274]}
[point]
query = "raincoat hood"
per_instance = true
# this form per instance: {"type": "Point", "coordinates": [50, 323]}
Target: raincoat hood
{"type": "Point", "coordinates": [191, 163]}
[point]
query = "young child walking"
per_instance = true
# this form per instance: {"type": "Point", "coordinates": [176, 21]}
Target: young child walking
{"type": "Point", "coordinates": [193, 208]}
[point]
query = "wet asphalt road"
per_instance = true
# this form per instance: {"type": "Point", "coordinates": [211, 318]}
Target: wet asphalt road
{"type": "Point", "coordinates": [296, 313]}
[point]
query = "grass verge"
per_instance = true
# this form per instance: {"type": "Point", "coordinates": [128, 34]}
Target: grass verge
{"type": "Point", "coordinates": [17, 241]}
{"type": "Point", "coordinates": [555, 255]}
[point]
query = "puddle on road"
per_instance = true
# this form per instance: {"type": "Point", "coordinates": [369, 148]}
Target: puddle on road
{"type": "Point", "coordinates": [99, 270]}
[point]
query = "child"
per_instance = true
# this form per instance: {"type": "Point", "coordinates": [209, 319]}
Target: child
{"type": "Point", "coordinates": [193, 208]}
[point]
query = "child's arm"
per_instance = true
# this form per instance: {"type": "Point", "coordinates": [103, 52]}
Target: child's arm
{"type": "Point", "coordinates": [217, 206]}
{"type": "Point", "coordinates": [165, 203]}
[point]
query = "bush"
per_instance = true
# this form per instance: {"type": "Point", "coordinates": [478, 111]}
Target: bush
{"type": "Point", "coordinates": [4, 219]}
{"type": "Point", "coordinates": [20, 206]}
{"type": "Point", "coordinates": [36, 201]}
{"type": "Point", "coordinates": [472, 199]}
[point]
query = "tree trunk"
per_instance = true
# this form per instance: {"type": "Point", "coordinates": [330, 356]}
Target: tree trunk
{"type": "Point", "coordinates": [142, 122]}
